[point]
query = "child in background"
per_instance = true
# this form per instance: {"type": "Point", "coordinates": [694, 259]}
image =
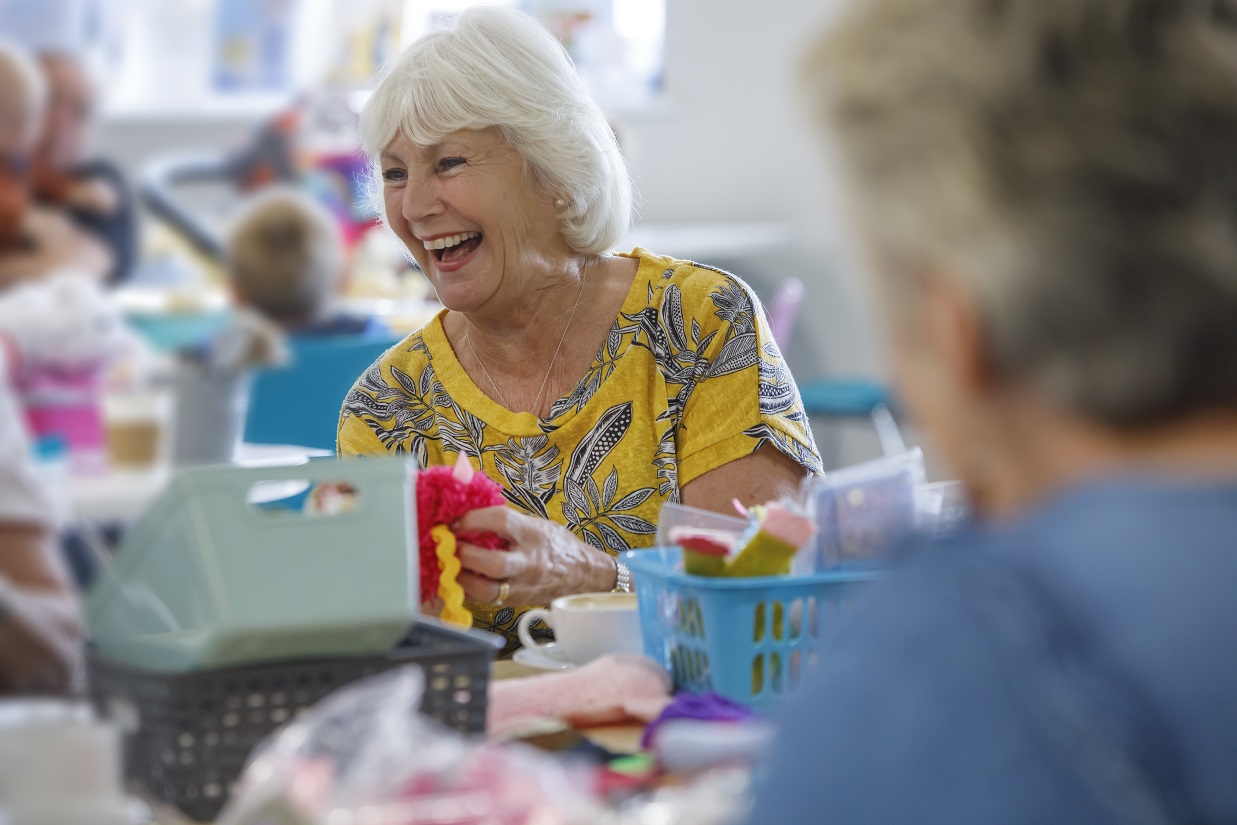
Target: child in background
{"type": "Point", "coordinates": [286, 261]}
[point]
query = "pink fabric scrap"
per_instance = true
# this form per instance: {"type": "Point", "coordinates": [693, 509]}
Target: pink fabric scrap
{"type": "Point", "coordinates": [609, 690]}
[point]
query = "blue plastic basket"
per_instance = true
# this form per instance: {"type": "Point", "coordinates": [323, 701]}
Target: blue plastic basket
{"type": "Point", "coordinates": [750, 639]}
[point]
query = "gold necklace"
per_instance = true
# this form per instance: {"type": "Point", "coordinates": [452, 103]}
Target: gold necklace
{"type": "Point", "coordinates": [553, 358]}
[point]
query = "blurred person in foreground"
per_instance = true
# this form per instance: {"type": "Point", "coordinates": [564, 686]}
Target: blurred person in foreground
{"type": "Point", "coordinates": [593, 386]}
{"type": "Point", "coordinates": [285, 260]}
{"type": "Point", "coordinates": [1046, 191]}
{"type": "Point", "coordinates": [36, 239]}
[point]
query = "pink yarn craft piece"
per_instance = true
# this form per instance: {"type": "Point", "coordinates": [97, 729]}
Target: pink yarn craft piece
{"type": "Point", "coordinates": [444, 494]}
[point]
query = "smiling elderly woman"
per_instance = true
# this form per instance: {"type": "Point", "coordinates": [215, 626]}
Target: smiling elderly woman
{"type": "Point", "coordinates": [594, 387]}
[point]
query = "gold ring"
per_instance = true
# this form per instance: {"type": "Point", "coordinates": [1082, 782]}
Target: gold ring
{"type": "Point", "coordinates": [504, 590]}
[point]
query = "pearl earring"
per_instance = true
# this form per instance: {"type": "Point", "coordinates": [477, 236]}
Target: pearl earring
{"type": "Point", "coordinates": [560, 203]}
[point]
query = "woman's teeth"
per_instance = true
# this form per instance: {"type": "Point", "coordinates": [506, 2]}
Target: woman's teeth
{"type": "Point", "coordinates": [449, 241]}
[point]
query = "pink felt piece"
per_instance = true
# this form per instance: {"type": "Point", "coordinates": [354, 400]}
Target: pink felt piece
{"type": "Point", "coordinates": [703, 540]}
{"type": "Point", "coordinates": [785, 525]}
{"type": "Point", "coordinates": [613, 689]}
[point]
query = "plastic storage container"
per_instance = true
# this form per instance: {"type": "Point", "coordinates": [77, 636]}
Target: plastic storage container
{"type": "Point", "coordinates": [207, 580]}
{"type": "Point", "coordinates": [188, 735]}
{"type": "Point", "coordinates": [750, 639]}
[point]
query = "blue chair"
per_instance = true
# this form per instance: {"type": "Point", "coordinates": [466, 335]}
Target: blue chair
{"type": "Point", "coordinates": [299, 402]}
{"type": "Point", "coordinates": [825, 397]}
{"type": "Point", "coordinates": [843, 397]}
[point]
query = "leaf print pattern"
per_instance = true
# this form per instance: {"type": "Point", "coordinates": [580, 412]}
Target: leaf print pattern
{"type": "Point", "coordinates": [528, 466]}
{"type": "Point", "coordinates": [777, 392]}
{"type": "Point", "coordinates": [590, 511]}
{"type": "Point", "coordinates": [601, 439]}
{"type": "Point", "coordinates": [607, 457]}
{"type": "Point", "coordinates": [764, 434]}
{"type": "Point", "coordinates": [375, 402]}
{"type": "Point", "coordinates": [735, 305]}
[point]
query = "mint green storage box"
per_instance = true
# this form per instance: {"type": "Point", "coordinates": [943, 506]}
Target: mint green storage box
{"type": "Point", "coordinates": [207, 580]}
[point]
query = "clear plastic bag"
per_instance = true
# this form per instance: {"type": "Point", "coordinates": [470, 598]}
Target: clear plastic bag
{"type": "Point", "coordinates": [861, 510]}
{"type": "Point", "coordinates": [941, 508]}
{"type": "Point", "coordinates": [676, 517]}
{"type": "Point", "coordinates": [363, 755]}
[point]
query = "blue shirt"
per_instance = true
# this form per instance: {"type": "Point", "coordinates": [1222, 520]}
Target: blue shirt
{"type": "Point", "coordinates": [1076, 666]}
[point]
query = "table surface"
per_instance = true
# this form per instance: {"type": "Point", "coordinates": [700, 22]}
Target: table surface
{"type": "Point", "coordinates": [623, 738]}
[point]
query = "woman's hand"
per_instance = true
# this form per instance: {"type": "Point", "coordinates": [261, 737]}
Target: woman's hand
{"type": "Point", "coordinates": [545, 560]}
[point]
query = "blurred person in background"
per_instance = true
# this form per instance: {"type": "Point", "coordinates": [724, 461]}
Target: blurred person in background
{"type": "Point", "coordinates": [91, 190]}
{"type": "Point", "coordinates": [40, 627]}
{"type": "Point", "coordinates": [593, 387]}
{"type": "Point", "coordinates": [36, 240]}
{"type": "Point", "coordinates": [86, 195]}
{"type": "Point", "coordinates": [285, 259]}
{"type": "Point", "coordinates": [1046, 192]}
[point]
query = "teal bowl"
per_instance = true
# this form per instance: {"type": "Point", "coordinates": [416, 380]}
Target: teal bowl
{"type": "Point", "coordinates": [171, 332]}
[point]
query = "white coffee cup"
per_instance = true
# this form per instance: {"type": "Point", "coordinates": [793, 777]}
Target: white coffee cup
{"type": "Point", "coordinates": [587, 625]}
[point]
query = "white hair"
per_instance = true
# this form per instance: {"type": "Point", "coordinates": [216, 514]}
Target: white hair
{"type": "Point", "coordinates": [498, 67]}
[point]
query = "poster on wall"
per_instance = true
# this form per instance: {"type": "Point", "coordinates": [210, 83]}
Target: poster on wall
{"type": "Point", "coordinates": [252, 45]}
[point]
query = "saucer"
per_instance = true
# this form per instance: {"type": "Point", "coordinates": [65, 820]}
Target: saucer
{"type": "Point", "coordinates": [545, 657]}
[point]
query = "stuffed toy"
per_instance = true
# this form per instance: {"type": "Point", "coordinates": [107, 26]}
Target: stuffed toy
{"type": "Point", "coordinates": [443, 495]}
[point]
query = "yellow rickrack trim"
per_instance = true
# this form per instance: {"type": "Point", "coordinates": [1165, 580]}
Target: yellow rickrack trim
{"type": "Point", "coordinates": [449, 589]}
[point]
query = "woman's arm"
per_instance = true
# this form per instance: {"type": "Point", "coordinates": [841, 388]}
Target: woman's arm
{"type": "Point", "coordinates": [546, 561]}
{"type": "Point", "coordinates": [766, 475]}
{"type": "Point", "coordinates": [40, 628]}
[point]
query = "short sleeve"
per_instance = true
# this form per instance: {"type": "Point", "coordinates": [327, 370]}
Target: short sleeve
{"type": "Point", "coordinates": [362, 429]}
{"type": "Point", "coordinates": [743, 396]}
{"type": "Point", "coordinates": [355, 438]}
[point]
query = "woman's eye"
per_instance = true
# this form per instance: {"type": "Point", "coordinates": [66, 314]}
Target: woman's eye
{"type": "Point", "coordinates": [393, 175]}
{"type": "Point", "coordinates": [447, 164]}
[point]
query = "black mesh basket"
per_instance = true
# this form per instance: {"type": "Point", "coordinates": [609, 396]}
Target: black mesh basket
{"type": "Point", "coordinates": [187, 735]}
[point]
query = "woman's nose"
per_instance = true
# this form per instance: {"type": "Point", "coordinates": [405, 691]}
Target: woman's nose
{"type": "Point", "coordinates": [421, 201]}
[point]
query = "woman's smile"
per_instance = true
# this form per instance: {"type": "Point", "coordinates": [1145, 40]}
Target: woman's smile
{"type": "Point", "coordinates": [452, 251]}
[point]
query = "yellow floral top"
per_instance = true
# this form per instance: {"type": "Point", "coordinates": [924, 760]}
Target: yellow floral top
{"type": "Point", "coordinates": [688, 380]}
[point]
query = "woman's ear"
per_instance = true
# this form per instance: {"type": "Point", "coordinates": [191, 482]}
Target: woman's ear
{"type": "Point", "coordinates": [954, 327]}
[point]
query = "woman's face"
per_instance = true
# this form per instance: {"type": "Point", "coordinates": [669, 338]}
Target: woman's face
{"type": "Point", "coordinates": [467, 211]}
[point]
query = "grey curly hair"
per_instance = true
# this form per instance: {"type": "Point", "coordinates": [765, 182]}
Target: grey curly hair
{"type": "Point", "coordinates": [1074, 163]}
